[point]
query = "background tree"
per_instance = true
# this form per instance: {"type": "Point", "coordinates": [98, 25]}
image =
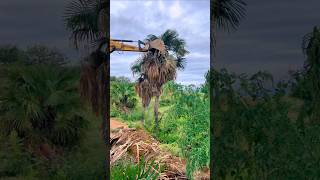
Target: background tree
{"type": "Point", "coordinates": [40, 54]}
{"type": "Point", "coordinates": [306, 82]}
{"type": "Point", "coordinates": [155, 70]}
{"type": "Point", "coordinates": [10, 54]}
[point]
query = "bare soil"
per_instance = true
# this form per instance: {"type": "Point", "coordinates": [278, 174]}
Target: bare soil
{"type": "Point", "coordinates": [117, 124]}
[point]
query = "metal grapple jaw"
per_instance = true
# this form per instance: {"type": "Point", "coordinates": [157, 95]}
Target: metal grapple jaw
{"type": "Point", "coordinates": [156, 44]}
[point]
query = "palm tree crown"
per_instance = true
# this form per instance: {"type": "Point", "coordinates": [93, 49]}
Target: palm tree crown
{"type": "Point", "coordinates": [84, 19]}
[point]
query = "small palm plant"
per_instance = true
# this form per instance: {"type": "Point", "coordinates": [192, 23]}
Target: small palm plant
{"type": "Point", "coordinates": [42, 105]}
{"type": "Point", "coordinates": [123, 95]}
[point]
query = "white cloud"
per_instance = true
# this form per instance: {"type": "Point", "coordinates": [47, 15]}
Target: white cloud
{"type": "Point", "coordinates": [198, 55]}
{"type": "Point", "coordinates": [161, 6]}
{"type": "Point", "coordinates": [117, 8]}
{"type": "Point", "coordinates": [148, 4]}
{"type": "Point", "coordinates": [175, 10]}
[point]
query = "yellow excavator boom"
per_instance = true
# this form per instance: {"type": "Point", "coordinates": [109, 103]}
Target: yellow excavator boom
{"type": "Point", "coordinates": [122, 45]}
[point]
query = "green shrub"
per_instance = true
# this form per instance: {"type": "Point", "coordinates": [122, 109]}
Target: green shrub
{"type": "Point", "coordinates": [186, 123]}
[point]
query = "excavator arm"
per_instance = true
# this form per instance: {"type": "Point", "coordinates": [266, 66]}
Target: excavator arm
{"type": "Point", "coordinates": [121, 45]}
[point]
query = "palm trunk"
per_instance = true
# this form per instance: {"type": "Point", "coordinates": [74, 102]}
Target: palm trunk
{"type": "Point", "coordinates": [143, 114]}
{"type": "Point", "coordinates": [105, 114]}
{"type": "Point", "coordinates": [106, 88]}
{"type": "Point", "coordinates": [211, 90]}
{"type": "Point", "coordinates": [156, 112]}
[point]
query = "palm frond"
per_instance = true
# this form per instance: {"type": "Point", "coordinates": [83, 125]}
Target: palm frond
{"type": "Point", "coordinates": [151, 37]}
{"type": "Point", "coordinates": [136, 67]}
{"type": "Point", "coordinates": [82, 19]}
{"type": "Point", "coordinates": [180, 63]}
{"type": "Point", "coordinates": [228, 13]}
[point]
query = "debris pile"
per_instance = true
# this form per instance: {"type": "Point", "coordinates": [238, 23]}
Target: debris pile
{"type": "Point", "coordinates": [138, 143]}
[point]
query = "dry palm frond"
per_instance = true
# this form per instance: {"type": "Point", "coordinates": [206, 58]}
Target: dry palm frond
{"type": "Point", "coordinates": [167, 71]}
{"type": "Point", "coordinates": [155, 71]}
{"type": "Point", "coordinates": [144, 90]}
{"type": "Point", "coordinates": [151, 69]}
{"type": "Point", "coordinates": [91, 80]}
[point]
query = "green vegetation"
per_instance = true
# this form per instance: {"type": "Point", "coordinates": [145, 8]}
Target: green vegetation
{"type": "Point", "coordinates": [142, 170]}
{"type": "Point", "coordinates": [46, 131]}
{"type": "Point", "coordinates": [183, 122]}
{"type": "Point", "coordinates": [262, 131]}
{"type": "Point", "coordinates": [42, 105]}
{"type": "Point", "coordinates": [186, 124]}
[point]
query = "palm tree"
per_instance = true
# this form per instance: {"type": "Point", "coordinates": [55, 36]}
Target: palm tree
{"type": "Point", "coordinates": [155, 70]}
{"type": "Point", "coordinates": [87, 20]}
{"type": "Point", "coordinates": [225, 15]}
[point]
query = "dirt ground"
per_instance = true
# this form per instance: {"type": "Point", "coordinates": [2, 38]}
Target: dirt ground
{"type": "Point", "coordinates": [116, 123]}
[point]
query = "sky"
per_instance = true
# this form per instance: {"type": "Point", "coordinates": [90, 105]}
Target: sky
{"type": "Point", "coordinates": [135, 19]}
{"type": "Point", "coordinates": [269, 38]}
{"type": "Point", "coordinates": [26, 23]}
